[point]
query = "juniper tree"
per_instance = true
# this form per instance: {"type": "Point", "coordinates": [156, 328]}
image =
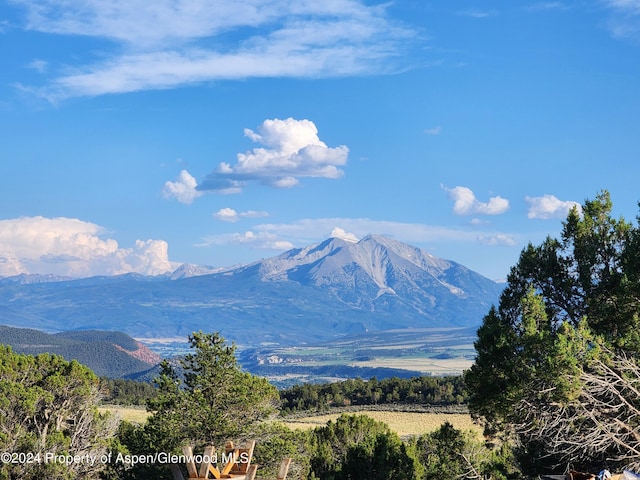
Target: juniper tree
{"type": "Point", "coordinates": [567, 319]}
{"type": "Point", "coordinates": [48, 411]}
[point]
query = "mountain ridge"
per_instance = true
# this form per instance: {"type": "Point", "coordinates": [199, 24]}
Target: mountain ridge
{"type": "Point", "coordinates": [318, 292]}
{"type": "Point", "coordinates": [107, 353]}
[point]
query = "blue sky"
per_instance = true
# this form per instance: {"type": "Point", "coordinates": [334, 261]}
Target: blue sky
{"type": "Point", "coordinates": [138, 135]}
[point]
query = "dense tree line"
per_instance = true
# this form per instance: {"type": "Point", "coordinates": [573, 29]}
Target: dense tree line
{"type": "Point", "coordinates": [417, 390]}
{"type": "Point", "coordinates": [425, 390]}
{"type": "Point", "coordinates": [118, 391]}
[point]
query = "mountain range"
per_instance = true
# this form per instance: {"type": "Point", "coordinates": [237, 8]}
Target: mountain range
{"type": "Point", "coordinates": [311, 294]}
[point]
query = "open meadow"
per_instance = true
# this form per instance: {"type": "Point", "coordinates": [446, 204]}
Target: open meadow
{"type": "Point", "coordinates": [404, 423]}
{"type": "Point", "coordinates": [129, 414]}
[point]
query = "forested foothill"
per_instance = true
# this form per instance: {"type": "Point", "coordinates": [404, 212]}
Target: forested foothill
{"type": "Point", "coordinates": [556, 381]}
{"type": "Point", "coordinates": [322, 397]}
{"type": "Point", "coordinates": [109, 354]}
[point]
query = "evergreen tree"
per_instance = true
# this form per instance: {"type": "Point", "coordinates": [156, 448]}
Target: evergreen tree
{"type": "Point", "coordinates": [356, 447]}
{"type": "Point", "coordinates": [452, 453]}
{"type": "Point", "coordinates": [212, 402]}
{"type": "Point", "coordinates": [48, 412]}
{"type": "Point", "coordinates": [568, 315]}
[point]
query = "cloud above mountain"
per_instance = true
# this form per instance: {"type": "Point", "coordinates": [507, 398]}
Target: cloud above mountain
{"type": "Point", "coordinates": [72, 247]}
{"type": "Point", "coordinates": [232, 216]}
{"type": "Point", "coordinates": [310, 230]}
{"type": "Point", "coordinates": [341, 233]}
{"type": "Point", "coordinates": [289, 149]}
{"type": "Point", "coordinates": [256, 240]}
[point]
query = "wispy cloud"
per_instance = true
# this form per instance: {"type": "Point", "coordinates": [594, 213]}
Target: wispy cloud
{"type": "Point", "coordinates": [466, 203]}
{"type": "Point", "coordinates": [169, 43]}
{"type": "Point", "coordinates": [305, 231]}
{"type": "Point", "coordinates": [257, 240]}
{"type": "Point", "coordinates": [232, 216]}
{"type": "Point", "coordinates": [549, 206]}
{"type": "Point", "coordinates": [546, 6]}
{"type": "Point", "coordinates": [433, 131]}
{"type": "Point", "coordinates": [72, 247]}
{"type": "Point", "coordinates": [624, 21]}
{"type": "Point", "coordinates": [476, 13]}
{"type": "Point", "coordinates": [627, 6]}
{"type": "Point", "coordinates": [499, 239]}
{"type": "Point", "coordinates": [38, 65]}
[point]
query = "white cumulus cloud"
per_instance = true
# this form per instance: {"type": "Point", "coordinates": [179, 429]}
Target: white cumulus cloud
{"type": "Point", "coordinates": [344, 235]}
{"type": "Point", "coordinates": [183, 189]}
{"type": "Point", "coordinates": [72, 247]}
{"type": "Point", "coordinates": [549, 206]}
{"type": "Point", "coordinates": [290, 149]}
{"type": "Point", "coordinates": [466, 203]}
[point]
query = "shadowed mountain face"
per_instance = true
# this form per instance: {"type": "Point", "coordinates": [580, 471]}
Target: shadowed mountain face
{"type": "Point", "coordinates": [314, 293]}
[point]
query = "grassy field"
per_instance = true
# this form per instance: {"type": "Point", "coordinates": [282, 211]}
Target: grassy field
{"type": "Point", "coordinates": [404, 423]}
{"type": "Point", "coordinates": [426, 365]}
{"type": "Point", "coordinates": [130, 414]}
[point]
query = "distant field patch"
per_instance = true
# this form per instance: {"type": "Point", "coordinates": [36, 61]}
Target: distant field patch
{"type": "Point", "coordinates": [434, 366]}
{"type": "Point", "coordinates": [130, 414]}
{"type": "Point", "coordinates": [404, 423]}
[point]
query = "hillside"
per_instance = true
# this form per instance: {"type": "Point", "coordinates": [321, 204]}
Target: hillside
{"type": "Point", "coordinates": [110, 354]}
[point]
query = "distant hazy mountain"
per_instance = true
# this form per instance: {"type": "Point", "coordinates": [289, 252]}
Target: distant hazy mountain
{"type": "Point", "coordinates": [314, 293]}
{"type": "Point", "coordinates": [25, 278]}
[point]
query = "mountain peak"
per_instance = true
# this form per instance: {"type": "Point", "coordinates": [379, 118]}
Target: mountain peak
{"type": "Point", "coordinates": [374, 266]}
